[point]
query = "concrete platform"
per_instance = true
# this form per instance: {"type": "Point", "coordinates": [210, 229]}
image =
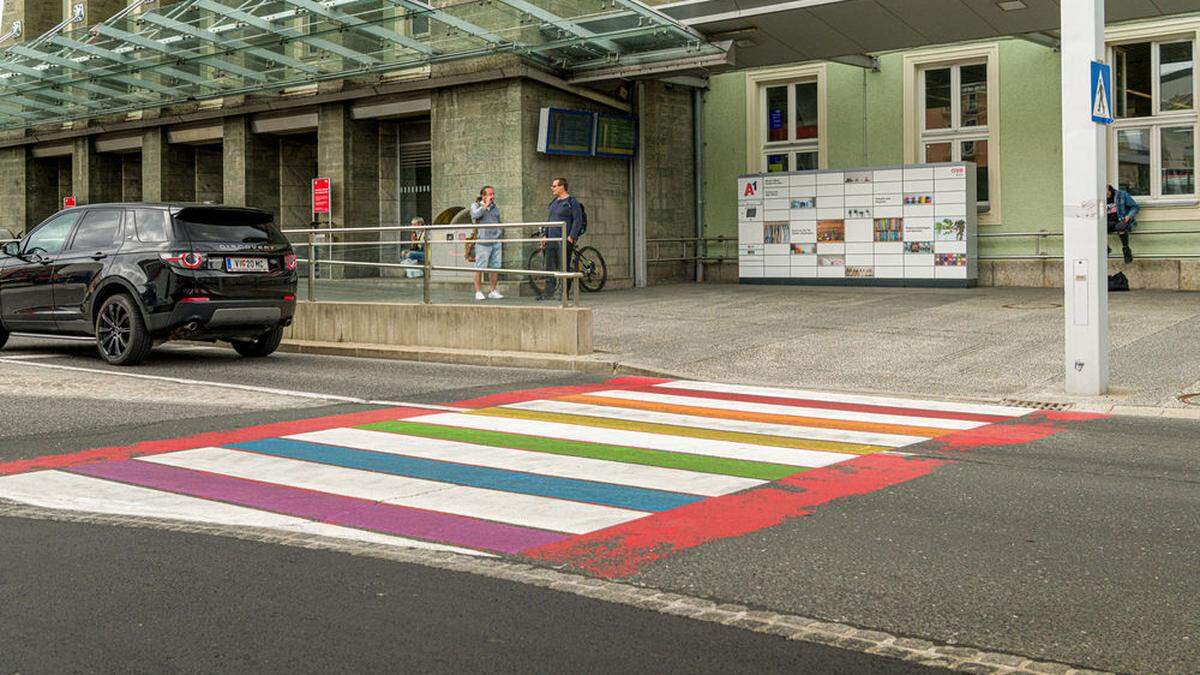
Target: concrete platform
{"type": "Point", "coordinates": [982, 343]}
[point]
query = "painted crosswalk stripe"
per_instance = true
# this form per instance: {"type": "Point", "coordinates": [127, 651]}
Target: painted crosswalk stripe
{"type": "Point", "coordinates": [908, 432]}
{"type": "Point", "coordinates": [337, 509]}
{"type": "Point", "coordinates": [66, 491]}
{"type": "Point", "coordinates": [763, 433]}
{"type": "Point", "coordinates": [688, 431]}
{"type": "Point", "coordinates": [720, 467]}
{"type": "Point", "coordinates": [587, 491]}
{"type": "Point", "coordinates": [842, 416]}
{"type": "Point", "coordinates": [919, 404]}
{"type": "Point", "coordinates": [650, 477]}
{"type": "Point", "coordinates": [639, 439]}
{"type": "Point", "coordinates": [506, 507]}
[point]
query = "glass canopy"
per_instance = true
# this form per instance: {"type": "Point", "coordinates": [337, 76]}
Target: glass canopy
{"type": "Point", "coordinates": [205, 49]}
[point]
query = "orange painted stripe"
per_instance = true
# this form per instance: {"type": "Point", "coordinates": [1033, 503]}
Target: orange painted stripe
{"type": "Point", "coordinates": [769, 418]}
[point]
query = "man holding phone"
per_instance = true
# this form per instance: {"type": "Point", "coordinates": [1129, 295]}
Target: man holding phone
{"type": "Point", "coordinates": [487, 248]}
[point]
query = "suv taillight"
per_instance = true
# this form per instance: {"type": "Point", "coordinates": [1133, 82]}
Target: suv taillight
{"type": "Point", "coordinates": [289, 261]}
{"type": "Point", "coordinates": [188, 261]}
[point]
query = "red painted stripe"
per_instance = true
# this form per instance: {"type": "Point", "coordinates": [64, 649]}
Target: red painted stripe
{"type": "Point", "coordinates": [209, 438]}
{"type": "Point", "coordinates": [829, 405]}
{"type": "Point", "coordinates": [509, 397]}
{"type": "Point", "coordinates": [1032, 427]}
{"type": "Point", "coordinates": [622, 550]}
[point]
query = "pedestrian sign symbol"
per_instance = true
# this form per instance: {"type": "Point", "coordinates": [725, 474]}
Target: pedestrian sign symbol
{"type": "Point", "coordinates": [1101, 93]}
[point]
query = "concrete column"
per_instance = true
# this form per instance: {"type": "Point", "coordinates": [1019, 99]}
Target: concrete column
{"type": "Point", "coordinates": [168, 171]}
{"type": "Point", "coordinates": [95, 176]}
{"type": "Point", "coordinates": [94, 11]}
{"type": "Point", "coordinates": [348, 154]}
{"type": "Point", "coordinates": [35, 16]}
{"type": "Point", "coordinates": [1085, 271]}
{"type": "Point", "coordinates": [14, 184]}
{"type": "Point", "coordinates": [251, 166]}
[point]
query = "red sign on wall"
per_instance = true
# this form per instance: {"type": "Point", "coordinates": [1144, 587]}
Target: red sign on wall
{"type": "Point", "coordinates": [320, 195]}
{"type": "Point", "coordinates": [69, 202]}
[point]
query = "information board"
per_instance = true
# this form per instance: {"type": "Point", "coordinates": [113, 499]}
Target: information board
{"type": "Point", "coordinates": [566, 132]}
{"type": "Point", "coordinates": [616, 136]}
{"type": "Point", "coordinates": [900, 225]}
{"type": "Point", "coordinates": [320, 196]}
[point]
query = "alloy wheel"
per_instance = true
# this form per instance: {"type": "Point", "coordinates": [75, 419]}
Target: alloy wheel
{"type": "Point", "coordinates": [113, 330]}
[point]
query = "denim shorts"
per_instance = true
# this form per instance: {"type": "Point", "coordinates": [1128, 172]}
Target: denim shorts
{"type": "Point", "coordinates": [487, 254]}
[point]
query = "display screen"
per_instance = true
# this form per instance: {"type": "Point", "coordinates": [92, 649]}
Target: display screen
{"type": "Point", "coordinates": [567, 132]}
{"type": "Point", "coordinates": [616, 135]}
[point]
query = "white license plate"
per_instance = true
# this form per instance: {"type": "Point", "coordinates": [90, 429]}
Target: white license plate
{"type": "Point", "coordinates": [247, 265]}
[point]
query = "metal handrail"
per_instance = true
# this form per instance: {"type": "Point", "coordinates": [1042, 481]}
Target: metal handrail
{"type": "Point", "coordinates": [720, 240]}
{"type": "Point", "coordinates": [1048, 233]}
{"type": "Point", "coordinates": [425, 240]}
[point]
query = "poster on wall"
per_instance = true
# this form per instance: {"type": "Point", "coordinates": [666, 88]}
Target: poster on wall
{"type": "Point", "coordinates": [897, 225]}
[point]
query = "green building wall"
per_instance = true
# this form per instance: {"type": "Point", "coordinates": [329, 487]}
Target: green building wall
{"type": "Point", "coordinates": [865, 127]}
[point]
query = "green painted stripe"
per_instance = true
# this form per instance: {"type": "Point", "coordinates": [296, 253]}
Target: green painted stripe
{"type": "Point", "coordinates": [613, 453]}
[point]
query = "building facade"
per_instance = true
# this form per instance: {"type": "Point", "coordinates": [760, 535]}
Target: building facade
{"type": "Point", "coordinates": [994, 102]}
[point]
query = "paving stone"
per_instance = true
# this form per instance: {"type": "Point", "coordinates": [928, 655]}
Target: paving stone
{"type": "Point", "coordinates": [913, 644]}
{"type": "Point", "coordinates": [1048, 668]}
{"type": "Point", "coordinates": [1002, 659]}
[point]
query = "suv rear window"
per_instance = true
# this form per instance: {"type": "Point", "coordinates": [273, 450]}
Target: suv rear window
{"type": "Point", "coordinates": [229, 225]}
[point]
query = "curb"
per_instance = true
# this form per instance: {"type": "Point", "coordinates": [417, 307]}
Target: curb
{"type": "Point", "coordinates": [789, 626]}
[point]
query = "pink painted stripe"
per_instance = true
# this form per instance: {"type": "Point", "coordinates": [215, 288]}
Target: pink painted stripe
{"type": "Point", "coordinates": [209, 439]}
{"type": "Point", "coordinates": [323, 507]}
{"type": "Point", "coordinates": [509, 397]}
{"type": "Point", "coordinates": [827, 405]}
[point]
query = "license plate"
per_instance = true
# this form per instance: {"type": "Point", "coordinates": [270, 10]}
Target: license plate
{"type": "Point", "coordinates": [247, 265]}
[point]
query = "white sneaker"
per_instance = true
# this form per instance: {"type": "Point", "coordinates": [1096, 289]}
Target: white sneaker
{"type": "Point", "coordinates": [495, 295]}
{"type": "Point", "coordinates": [479, 295]}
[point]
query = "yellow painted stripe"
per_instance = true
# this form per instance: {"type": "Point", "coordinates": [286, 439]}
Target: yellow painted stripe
{"type": "Point", "coordinates": [770, 418]}
{"type": "Point", "coordinates": [676, 430]}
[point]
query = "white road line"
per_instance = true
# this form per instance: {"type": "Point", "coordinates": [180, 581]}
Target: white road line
{"type": "Point", "coordinates": [70, 492]}
{"type": "Point", "coordinates": [28, 357]}
{"type": "Point", "coordinates": [739, 426]}
{"type": "Point", "coordinates": [640, 439]}
{"type": "Point", "coordinates": [17, 360]}
{"type": "Point", "coordinates": [916, 404]}
{"type": "Point", "coordinates": [541, 463]}
{"type": "Point", "coordinates": [795, 411]}
{"type": "Point", "coordinates": [508, 507]}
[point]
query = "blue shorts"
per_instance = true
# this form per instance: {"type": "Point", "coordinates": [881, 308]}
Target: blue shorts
{"type": "Point", "coordinates": [487, 254]}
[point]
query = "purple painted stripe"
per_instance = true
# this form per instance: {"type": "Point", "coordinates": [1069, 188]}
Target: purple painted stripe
{"type": "Point", "coordinates": [363, 514]}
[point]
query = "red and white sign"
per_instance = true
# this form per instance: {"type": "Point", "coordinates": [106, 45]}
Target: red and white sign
{"type": "Point", "coordinates": [320, 195]}
{"type": "Point", "coordinates": [69, 202]}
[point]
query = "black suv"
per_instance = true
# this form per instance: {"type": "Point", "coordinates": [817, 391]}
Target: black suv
{"type": "Point", "coordinates": [133, 275]}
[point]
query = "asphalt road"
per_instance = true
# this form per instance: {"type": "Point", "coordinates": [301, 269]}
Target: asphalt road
{"type": "Point", "coordinates": [88, 598]}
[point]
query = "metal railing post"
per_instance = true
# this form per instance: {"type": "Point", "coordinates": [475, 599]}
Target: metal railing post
{"type": "Point", "coordinates": [427, 265]}
{"type": "Point", "coordinates": [566, 282]}
{"type": "Point", "coordinates": [312, 267]}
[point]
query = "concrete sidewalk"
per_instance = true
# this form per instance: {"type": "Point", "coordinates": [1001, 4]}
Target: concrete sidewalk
{"type": "Point", "coordinates": [985, 343]}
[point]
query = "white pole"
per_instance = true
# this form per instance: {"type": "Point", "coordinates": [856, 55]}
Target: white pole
{"type": "Point", "coordinates": [1085, 263]}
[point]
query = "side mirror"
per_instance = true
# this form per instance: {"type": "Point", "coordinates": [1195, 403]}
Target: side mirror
{"type": "Point", "coordinates": [11, 249]}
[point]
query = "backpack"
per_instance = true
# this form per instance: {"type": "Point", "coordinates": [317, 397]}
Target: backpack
{"type": "Point", "coordinates": [582, 217]}
{"type": "Point", "coordinates": [1118, 282]}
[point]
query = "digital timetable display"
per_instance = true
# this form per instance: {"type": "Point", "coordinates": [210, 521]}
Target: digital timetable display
{"type": "Point", "coordinates": [616, 135]}
{"type": "Point", "coordinates": [589, 134]}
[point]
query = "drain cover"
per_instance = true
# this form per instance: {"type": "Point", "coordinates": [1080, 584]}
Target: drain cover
{"type": "Point", "coordinates": [1033, 305]}
{"type": "Point", "coordinates": [1040, 405]}
{"type": "Point", "coordinates": [1190, 399]}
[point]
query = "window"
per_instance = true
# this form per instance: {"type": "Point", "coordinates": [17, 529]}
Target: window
{"type": "Point", "coordinates": [50, 237]}
{"type": "Point", "coordinates": [791, 126]}
{"type": "Point", "coordinates": [99, 231]}
{"type": "Point", "coordinates": [153, 225]}
{"type": "Point", "coordinates": [1154, 137]}
{"type": "Point", "coordinates": [954, 119]}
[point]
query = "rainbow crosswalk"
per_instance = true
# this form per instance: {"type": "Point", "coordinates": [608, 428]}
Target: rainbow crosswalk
{"type": "Point", "coordinates": [509, 474]}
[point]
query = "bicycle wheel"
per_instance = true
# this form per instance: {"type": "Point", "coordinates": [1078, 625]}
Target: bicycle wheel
{"type": "Point", "coordinates": [595, 272]}
{"type": "Point", "coordinates": [537, 261]}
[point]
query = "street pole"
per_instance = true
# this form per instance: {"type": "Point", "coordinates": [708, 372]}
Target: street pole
{"type": "Point", "coordinates": [563, 255]}
{"type": "Point", "coordinates": [312, 267]}
{"type": "Point", "coordinates": [1085, 263]}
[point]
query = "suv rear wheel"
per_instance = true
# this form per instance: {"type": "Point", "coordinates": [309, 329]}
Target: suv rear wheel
{"type": "Point", "coordinates": [121, 335]}
{"type": "Point", "coordinates": [264, 345]}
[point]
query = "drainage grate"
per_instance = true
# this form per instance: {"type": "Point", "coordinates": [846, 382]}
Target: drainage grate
{"type": "Point", "coordinates": [1190, 399]}
{"type": "Point", "coordinates": [1039, 405]}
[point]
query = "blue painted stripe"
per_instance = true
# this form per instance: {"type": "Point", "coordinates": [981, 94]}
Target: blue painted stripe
{"type": "Point", "coordinates": [621, 496]}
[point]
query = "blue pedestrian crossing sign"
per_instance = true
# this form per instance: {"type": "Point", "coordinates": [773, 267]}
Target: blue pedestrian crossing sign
{"type": "Point", "coordinates": [1102, 93]}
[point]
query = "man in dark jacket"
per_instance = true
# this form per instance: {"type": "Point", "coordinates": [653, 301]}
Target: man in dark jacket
{"type": "Point", "coordinates": [565, 209]}
{"type": "Point", "coordinates": [1122, 217]}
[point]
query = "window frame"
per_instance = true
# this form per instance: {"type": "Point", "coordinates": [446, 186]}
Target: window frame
{"type": "Point", "coordinates": [758, 148]}
{"type": "Point", "coordinates": [914, 64]}
{"type": "Point", "coordinates": [1158, 120]}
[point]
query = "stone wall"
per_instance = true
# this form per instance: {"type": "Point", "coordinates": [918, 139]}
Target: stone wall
{"type": "Point", "coordinates": [667, 137]}
{"type": "Point", "coordinates": [13, 192]}
{"type": "Point", "coordinates": [210, 174]}
{"type": "Point", "coordinates": [131, 177]}
{"type": "Point", "coordinates": [297, 168]}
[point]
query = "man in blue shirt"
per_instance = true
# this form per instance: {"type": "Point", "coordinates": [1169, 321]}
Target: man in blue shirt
{"type": "Point", "coordinates": [487, 249]}
{"type": "Point", "coordinates": [565, 209]}
{"type": "Point", "coordinates": [1122, 218]}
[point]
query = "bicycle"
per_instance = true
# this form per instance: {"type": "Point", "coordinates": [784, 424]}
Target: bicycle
{"type": "Point", "coordinates": [587, 261]}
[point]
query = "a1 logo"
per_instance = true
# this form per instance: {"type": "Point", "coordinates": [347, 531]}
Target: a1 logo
{"type": "Point", "coordinates": [751, 189]}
